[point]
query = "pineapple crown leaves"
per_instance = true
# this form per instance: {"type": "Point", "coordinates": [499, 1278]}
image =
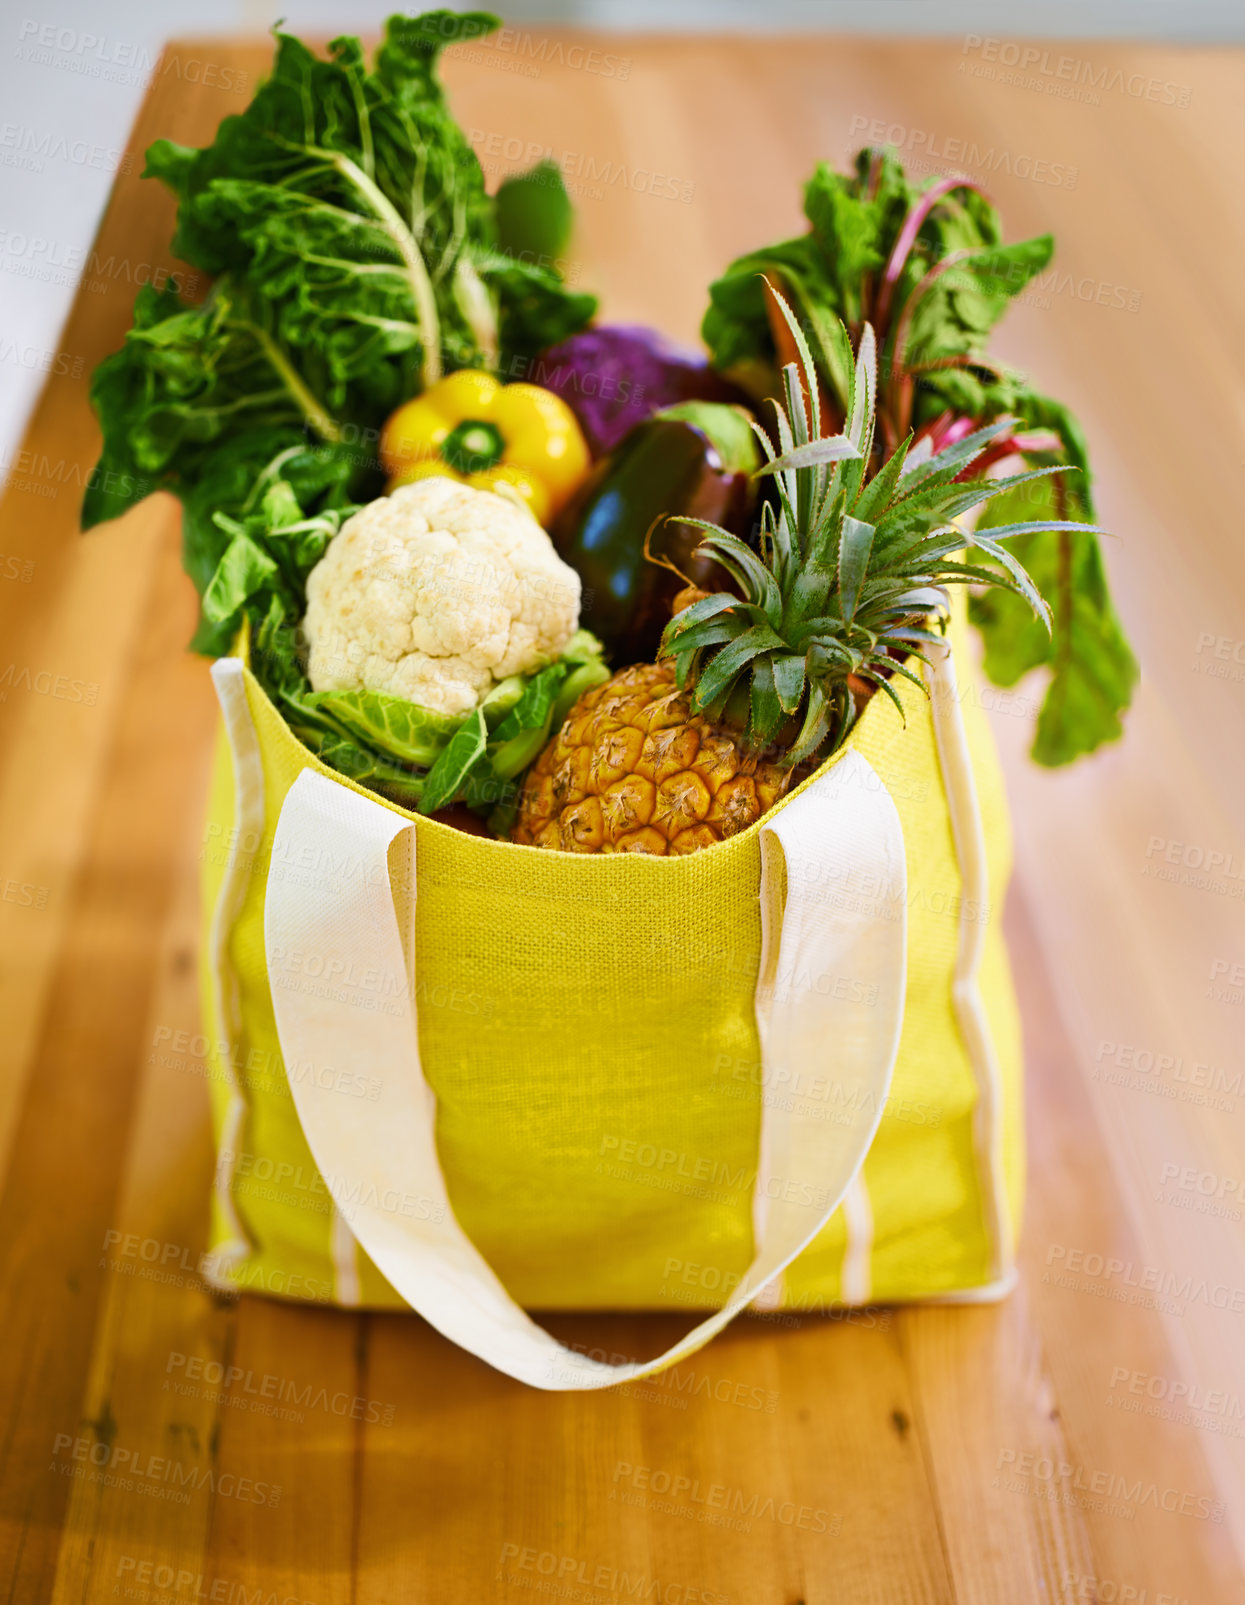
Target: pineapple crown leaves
{"type": "Point", "coordinates": [851, 573]}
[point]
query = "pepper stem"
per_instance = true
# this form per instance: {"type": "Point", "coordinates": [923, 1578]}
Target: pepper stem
{"type": "Point", "coordinates": [473, 446]}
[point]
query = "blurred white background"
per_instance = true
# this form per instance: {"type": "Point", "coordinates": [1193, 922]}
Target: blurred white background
{"type": "Point", "coordinates": [73, 72]}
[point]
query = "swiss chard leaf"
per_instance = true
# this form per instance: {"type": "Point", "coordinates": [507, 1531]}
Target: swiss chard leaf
{"type": "Point", "coordinates": [736, 327]}
{"type": "Point", "coordinates": [925, 263]}
{"type": "Point", "coordinates": [840, 270]}
{"type": "Point", "coordinates": [838, 212]}
{"type": "Point", "coordinates": [343, 197]}
{"type": "Point", "coordinates": [536, 309]}
{"type": "Point", "coordinates": [185, 384]}
{"type": "Point", "coordinates": [244, 570]}
{"type": "Point", "coordinates": [356, 256]}
{"type": "Point", "coordinates": [1091, 668]}
{"type": "Point", "coordinates": [953, 315]}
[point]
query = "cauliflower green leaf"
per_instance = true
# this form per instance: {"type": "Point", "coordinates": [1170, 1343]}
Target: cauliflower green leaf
{"type": "Point", "coordinates": [414, 756]}
{"type": "Point", "coordinates": [391, 725]}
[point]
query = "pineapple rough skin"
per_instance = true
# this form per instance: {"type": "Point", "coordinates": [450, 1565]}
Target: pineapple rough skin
{"type": "Point", "coordinates": [632, 770]}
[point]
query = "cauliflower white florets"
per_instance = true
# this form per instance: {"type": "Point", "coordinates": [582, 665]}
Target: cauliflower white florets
{"type": "Point", "coordinates": [434, 594]}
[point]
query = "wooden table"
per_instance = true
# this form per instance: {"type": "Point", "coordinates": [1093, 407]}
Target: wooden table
{"type": "Point", "coordinates": [986, 1455]}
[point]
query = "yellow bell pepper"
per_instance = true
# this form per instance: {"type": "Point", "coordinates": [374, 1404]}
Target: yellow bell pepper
{"type": "Point", "coordinates": [474, 429]}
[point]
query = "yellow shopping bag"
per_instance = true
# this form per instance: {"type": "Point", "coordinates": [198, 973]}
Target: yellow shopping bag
{"type": "Point", "coordinates": [472, 1078]}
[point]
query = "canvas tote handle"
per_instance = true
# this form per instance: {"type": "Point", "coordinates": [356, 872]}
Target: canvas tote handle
{"type": "Point", "coordinates": [329, 894]}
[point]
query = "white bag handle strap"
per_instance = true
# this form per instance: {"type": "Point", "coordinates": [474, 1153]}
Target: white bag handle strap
{"type": "Point", "coordinates": [329, 898]}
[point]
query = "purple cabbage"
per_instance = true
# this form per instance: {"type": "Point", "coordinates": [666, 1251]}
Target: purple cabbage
{"type": "Point", "coordinates": [614, 376]}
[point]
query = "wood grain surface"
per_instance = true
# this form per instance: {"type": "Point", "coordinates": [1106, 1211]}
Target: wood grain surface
{"type": "Point", "coordinates": [1085, 1441]}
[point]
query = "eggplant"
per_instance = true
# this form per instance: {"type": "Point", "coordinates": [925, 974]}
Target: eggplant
{"type": "Point", "coordinates": [666, 465]}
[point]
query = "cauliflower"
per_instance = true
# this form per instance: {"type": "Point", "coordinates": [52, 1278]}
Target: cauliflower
{"type": "Point", "coordinates": [434, 594]}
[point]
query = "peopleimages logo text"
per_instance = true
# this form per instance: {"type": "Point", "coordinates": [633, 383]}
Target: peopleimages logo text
{"type": "Point", "coordinates": [1067, 74]}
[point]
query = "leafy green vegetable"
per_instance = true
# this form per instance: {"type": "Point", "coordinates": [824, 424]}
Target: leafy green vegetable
{"type": "Point", "coordinates": [233, 480]}
{"type": "Point", "coordinates": [356, 256]}
{"type": "Point", "coordinates": [259, 582]}
{"type": "Point", "coordinates": [926, 265]}
{"type": "Point", "coordinates": [482, 766]}
{"type": "Point", "coordinates": [274, 660]}
{"type": "Point", "coordinates": [582, 677]}
{"type": "Point", "coordinates": [502, 698]}
{"type": "Point", "coordinates": [412, 755]}
{"type": "Point", "coordinates": [448, 776]}
{"type": "Point", "coordinates": [353, 207]}
{"type": "Point", "coordinates": [484, 762]}
{"type": "Point", "coordinates": [244, 570]}
{"type": "Point", "coordinates": [518, 739]}
{"type": "Point", "coordinates": [390, 724]}
{"type": "Point", "coordinates": [534, 214]}
{"type": "Point", "coordinates": [1092, 668]}
{"type": "Point", "coordinates": [356, 762]}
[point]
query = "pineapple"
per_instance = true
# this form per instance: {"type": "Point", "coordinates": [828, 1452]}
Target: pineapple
{"type": "Point", "coordinates": [754, 688]}
{"type": "Point", "coordinates": [634, 770]}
